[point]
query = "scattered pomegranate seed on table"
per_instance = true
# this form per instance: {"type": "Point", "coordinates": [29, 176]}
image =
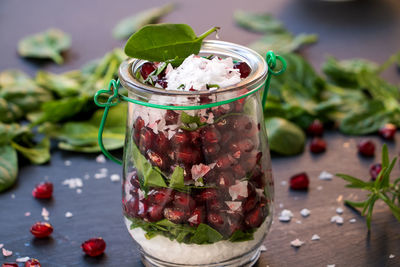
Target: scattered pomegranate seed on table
{"type": "Point", "coordinates": [9, 264]}
{"type": "Point", "coordinates": [32, 263]}
{"type": "Point", "coordinates": [388, 131]}
{"type": "Point", "coordinates": [43, 190]}
{"type": "Point", "coordinates": [374, 170]}
{"type": "Point", "coordinates": [317, 145]}
{"type": "Point", "coordinates": [299, 181]}
{"type": "Point", "coordinates": [94, 246]}
{"type": "Point", "coordinates": [366, 148]}
{"type": "Point", "coordinates": [316, 128]}
{"type": "Point", "coordinates": [41, 229]}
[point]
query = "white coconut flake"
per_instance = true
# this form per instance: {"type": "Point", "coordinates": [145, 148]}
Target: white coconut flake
{"type": "Point", "coordinates": [305, 212]}
{"type": "Point", "coordinates": [115, 177]}
{"type": "Point", "coordinates": [68, 214]}
{"type": "Point", "coordinates": [67, 163]}
{"type": "Point", "coordinates": [197, 72]}
{"type": "Point", "coordinates": [352, 220]}
{"type": "Point", "coordinates": [73, 183]}
{"type": "Point", "coordinates": [140, 194]}
{"type": "Point", "coordinates": [263, 248]}
{"type": "Point", "coordinates": [27, 214]}
{"type": "Point", "coordinates": [22, 259]}
{"type": "Point", "coordinates": [296, 243]}
{"type": "Point", "coordinates": [285, 216]}
{"type": "Point", "coordinates": [199, 171]}
{"type": "Point", "coordinates": [234, 205]}
{"type": "Point", "coordinates": [324, 175]}
{"type": "Point", "coordinates": [193, 219]}
{"type": "Point", "coordinates": [45, 214]}
{"type": "Point", "coordinates": [339, 210]}
{"type": "Point", "coordinates": [337, 219]}
{"type": "Point", "coordinates": [315, 237]}
{"type": "Point", "coordinates": [391, 256]}
{"type": "Point", "coordinates": [101, 159]}
{"type": "Point", "coordinates": [238, 190]}
{"type": "Point", "coordinates": [6, 253]}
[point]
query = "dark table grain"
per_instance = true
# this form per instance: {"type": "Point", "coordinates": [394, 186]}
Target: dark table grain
{"type": "Point", "coordinates": [369, 29]}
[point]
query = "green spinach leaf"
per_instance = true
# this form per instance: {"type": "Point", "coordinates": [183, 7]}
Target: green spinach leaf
{"type": "Point", "coordinates": [264, 23]}
{"type": "Point", "coordinates": [8, 167]}
{"type": "Point", "coordinates": [177, 178]}
{"type": "Point", "coordinates": [239, 236]}
{"type": "Point", "coordinates": [37, 154]}
{"type": "Point", "coordinates": [61, 84]}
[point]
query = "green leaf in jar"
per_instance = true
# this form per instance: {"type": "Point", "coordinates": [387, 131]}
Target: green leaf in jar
{"type": "Point", "coordinates": [258, 22]}
{"type": "Point", "coordinates": [177, 178]}
{"type": "Point", "coordinates": [239, 236]}
{"type": "Point", "coordinates": [284, 137]}
{"type": "Point", "coordinates": [205, 235]}
{"type": "Point", "coordinates": [130, 25]}
{"type": "Point", "coordinates": [8, 166]}
{"type": "Point", "coordinates": [37, 154]}
{"type": "Point", "coordinates": [47, 44]}
{"type": "Point", "coordinates": [165, 42]}
{"type": "Point", "coordinates": [60, 84]}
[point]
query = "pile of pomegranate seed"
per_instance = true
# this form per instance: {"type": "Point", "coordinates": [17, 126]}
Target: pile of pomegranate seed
{"type": "Point", "coordinates": [317, 145]}
{"type": "Point", "coordinates": [366, 148]}
{"type": "Point", "coordinates": [388, 131]}
{"type": "Point", "coordinates": [43, 190]}
{"type": "Point", "coordinates": [32, 263]}
{"type": "Point", "coordinates": [374, 170]}
{"type": "Point", "coordinates": [41, 229]}
{"type": "Point", "coordinates": [94, 246]}
{"type": "Point", "coordinates": [299, 181]}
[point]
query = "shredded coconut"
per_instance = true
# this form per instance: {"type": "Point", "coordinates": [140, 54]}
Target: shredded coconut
{"type": "Point", "coordinates": [234, 205]}
{"type": "Point", "coordinates": [196, 73]}
{"type": "Point", "coordinates": [199, 171]}
{"type": "Point", "coordinates": [6, 253]}
{"type": "Point", "coordinates": [27, 214]}
{"type": "Point", "coordinates": [238, 190]}
{"type": "Point", "coordinates": [67, 163]}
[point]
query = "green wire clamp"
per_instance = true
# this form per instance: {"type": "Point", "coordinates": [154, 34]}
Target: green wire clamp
{"type": "Point", "coordinates": [115, 98]}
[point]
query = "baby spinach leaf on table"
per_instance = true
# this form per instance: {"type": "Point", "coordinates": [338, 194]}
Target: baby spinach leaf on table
{"type": "Point", "coordinates": [8, 167]}
{"type": "Point", "coordinates": [9, 131]}
{"type": "Point", "coordinates": [9, 112]}
{"type": "Point", "coordinates": [165, 42]}
{"type": "Point", "coordinates": [130, 25]}
{"type": "Point", "coordinates": [264, 23]}
{"type": "Point", "coordinates": [284, 137]}
{"type": "Point", "coordinates": [47, 44]}
{"type": "Point", "coordinates": [37, 154]}
{"type": "Point", "coordinates": [61, 85]}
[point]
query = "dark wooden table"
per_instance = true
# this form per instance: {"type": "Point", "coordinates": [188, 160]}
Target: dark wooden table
{"type": "Point", "coordinates": [369, 29]}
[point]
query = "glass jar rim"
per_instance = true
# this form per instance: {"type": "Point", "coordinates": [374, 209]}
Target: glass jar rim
{"type": "Point", "coordinates": [258, 65]}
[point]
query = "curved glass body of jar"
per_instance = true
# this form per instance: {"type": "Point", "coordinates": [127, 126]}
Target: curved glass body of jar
{"type": "Point", "coordinates": [198, 187]}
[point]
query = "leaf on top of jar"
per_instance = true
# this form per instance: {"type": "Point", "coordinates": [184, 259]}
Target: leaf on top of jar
{"type": "Point", "coordinates": [47, 44]}
{"type": "Point", "coordinates": [130, 25]}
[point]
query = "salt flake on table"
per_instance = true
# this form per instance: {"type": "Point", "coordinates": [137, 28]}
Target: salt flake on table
{"type": "Point", "coordinates": [45, 214]}
{"type": "Point", "coordinates": [286, 216]}
{"type": "Point", "coordinates": [391, 256]}
{"type": "Point", "coordinates": [27, 214]}
{"type": "Point", "coordinates": [352, 220]}
{"type": "Point", "coordinates": [339, 211]}
{"type": "Point", "coordinates": [281, 205]}
{"type": "Point", "coordinates": [67, 163]}
{"type": "Point", "coordinates": [319, 188]}
{"type": "Point", "coordinates": [73, 182]}
{"type": "Point", "coordinates": [78, 191]}
{"type": "Point", "coordinates": [296, 243]}
{"type": "Point", "coordinates": [315, 237]}
{"type": "Point", "coordinates": [101, 159]}
{"type": "Point", "coordinates": [115, 177]}
{"type": "Point", "coordinates": [239, 189]}
{"type": "Point", "coordinates": [283, 183]}
{"type": "Point", "coordinates": [6, 253]}
{"type": "Point", "coordinates": [68, 214]}
{"type": "Point", "coordinates": [22, 259]}
{"type": "Point", "coordinates": [12, 196]}
{"type": "Point", "coordinates": [330, 265]}
{"type": "Point", "coordinates": [324, 175]}
{"type": "Point", "coordinates": [305, 212]}
{"type": "Point", "coordinates": [337, 219]}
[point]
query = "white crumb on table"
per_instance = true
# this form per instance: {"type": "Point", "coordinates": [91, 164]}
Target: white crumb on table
{"type": "Point", "coordinates": [352, 220]}
{"type": "Point", "coordinates": [315, 237]}
{"type": "Point", "coordinates": [115, 177]}
{"type": "Point", "coordinates": [339, 211]}
{"type": "Point", "coordinates": [391, 256]}
{"type": "Point", "coordinates": [305, 212]}
{"type": "Point", "coordinates": [263, 248]}
{"type": "Point", "coordinates": [22, 259]}
{"type": "Point", "coordinates": [45, 214]}
{"type": "Point", "coordinates": [73, 182]}
{"type": "Point", "coordinates": [67, 163]}
{"type": "Point", "coordinates": [296, 243]}
{"type": "Point", "coordinates": [27, 214]}
{"type": "Point", "coordinates": [101, 159]}
{"type": "Point", "coordinates": [324, 175]}
{"type": "Point", "coordinates": [6, 253]}
{"type": "Point", "coordinates": [337, 219]}
{"type": "Point", "coordinates": [68, 214]}
{"type": "Point", "coordinates": [285, 216]}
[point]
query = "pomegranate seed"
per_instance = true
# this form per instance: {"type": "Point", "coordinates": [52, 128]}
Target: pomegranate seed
{"type": "Point", "coordinates": [162, 82]}
{"type": "Point", "coordinates": [211, 150]}
{"type": "Point", "coordinates": [244, 145]}
{"type": "Point", "coordinates": [317, 145]}
{"type": "Point", "coordinates": [138, 126]}
{"type": "Point", "coordinates": [131, 207]}
{"type": "Point", "coordinates": [227, 137]}
{"type": "Point", "coordinates": [181, 138]}
{"type": "Point", "coordinates": [239, 171]}
{"type": "Point", "coordinates": [143, 207]}
{"type": "Point", "coordinates": [243, 68]}
{"type": "Point", "coordinates": [176, 215]}
{"type": "Point", "coordinates": [43, 190]}
{"type": "Point", "coordinates": [188, 155]}
{"type": "Point", "coordinates": [147, 138]}
{"type": "Point", "coordinates": [366, 148]}
{"type": "Point", "coordinates": [388, 131]}
{"type": "Point", "coordinates": [257, 177]}
{"type": "Point", "coordinates": [299, 181]}
{"type": "Point", "coordinates": [254, 218]}
{"type": "Point", "coordinates": [94, 246]}
{"type": "Point", "coordinates": [146, 69]}
{"type": "Point", "coordinates": [162, 142]}
{"type": "Point", "coordinates": [242, 124]}
{"type": "Point", "coordinates": [195, 137]}
{"type": "Point", "coordinates": [215, 219]}
{"type": "Point", "coordinates": [184, 201]}
{"type": "Point", "coordinates": [210, 135]}
{"type": "Point", "coordinates": [9, 264]}
{"type": "Point", "coordinates": [238, 105]}
{"type": "Point", "coordinates": [374, 170]}
{"type": "Point", "coordinates": [156, 159]}
{"type": "Point", "coordinates": [135, 184]}
{"type": "Point", "coordinates": [222, 110]}
{"type": "Point", "coordinates": [32, 263]}
{"type": "Point", "coordinates": [198, 216]}
{"type": "Point", "coordinates": [41, 229]}
{"type": "Point", "coordinates": [250, 203]}
{"type": "Point", "coordinates": [249, 162]}
{"type": "Point", "coordinates": [171, 117]}
{"type": "Point", "coordinates": [216, 205]}
{"type": "Point", "coordinates": [155, 213]}
{"type": "Point", "coordinates": [226, 179]}
{"type": "Point", "coordinates": [161, 196]}
{"type": "Point", "coordinates": [316, 128]}
{"type": "Point", "coordinates": [207, 194]}
{"type": "Point", "coordinates": [225, 161]}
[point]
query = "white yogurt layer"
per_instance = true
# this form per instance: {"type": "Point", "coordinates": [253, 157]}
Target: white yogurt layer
{"type": "Point", "coordinates": [197, 72]}
{"type": "Point", "coordinates": [164, 249]}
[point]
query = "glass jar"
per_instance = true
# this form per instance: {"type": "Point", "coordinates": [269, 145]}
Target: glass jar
{"type": "Point", "coordinates": [197, 181]}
